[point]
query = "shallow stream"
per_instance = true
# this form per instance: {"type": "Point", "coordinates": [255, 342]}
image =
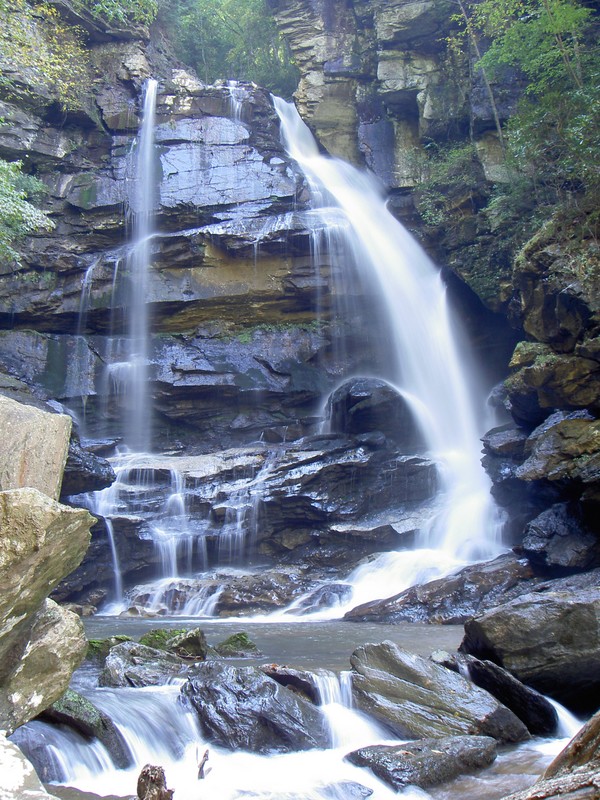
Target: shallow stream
{"type": "Point", "coordinates": [160, 731]}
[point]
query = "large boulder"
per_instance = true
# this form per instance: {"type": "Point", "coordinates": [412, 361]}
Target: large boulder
{"type": "Point", "coordinates": [426, 762]}
{"type": "Point", "coordinates": [559, 540]}
{"type": "Point", "coordinates": [40, 667]}
{"type": "Point", "coordinates": [417, 698]}
{"type": "Point", "coordinates": [42, 644]}
{"type": "Point", "coordinates": [35, 446]}
{"type": "Point", "coordinates": [549, 640]}
{"type": "Point", "coordinates": [242, 708]}
{"type": "Point", "coordinates": [532, 708]}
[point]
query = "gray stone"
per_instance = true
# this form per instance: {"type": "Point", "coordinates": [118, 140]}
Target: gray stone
{"type": "Point", "coordinates": [416, 698]}
{"type": "Point", "coordinates": [133, 664]}
{"type": "Point", "coordinates": [19, 779]}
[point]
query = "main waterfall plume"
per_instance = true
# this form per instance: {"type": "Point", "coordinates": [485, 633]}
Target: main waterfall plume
{"type": "Point", "coordinates": [427, 361]}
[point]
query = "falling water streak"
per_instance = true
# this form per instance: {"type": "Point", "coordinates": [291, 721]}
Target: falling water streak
{"type": "Point", "coordinates": [115, 562]}
{"type": "Point", "coordinates": [138, 431]}
{"type": "Point", "coordinates": [425, 354]}
{"type": "Point", "coordinates": [568, 724]}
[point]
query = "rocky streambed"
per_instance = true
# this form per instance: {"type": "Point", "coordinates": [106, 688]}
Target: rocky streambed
{"type": "Point", "coordinates": [280, 725]}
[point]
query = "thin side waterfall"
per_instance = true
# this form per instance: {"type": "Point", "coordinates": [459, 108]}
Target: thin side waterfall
{"type": "Point", "coordinates": [427, 362]}
{"type": "Point", "coordinates": [142, 202]}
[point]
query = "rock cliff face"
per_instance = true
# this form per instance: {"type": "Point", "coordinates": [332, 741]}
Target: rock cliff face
{"type": "Point", "coordinates": [378, 85]}
{"type": "Point", "coordinates": [242, 337]}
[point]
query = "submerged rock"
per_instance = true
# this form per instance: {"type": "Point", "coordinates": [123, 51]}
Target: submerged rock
{"type": "Point", "coordinates": [549, 640]}
{"type": "Point", "coordinates": [416, 698]}
{"type": "Point", "coordinates": [242, 708]}
{"type": "Point", "coordinates": [427, 762]}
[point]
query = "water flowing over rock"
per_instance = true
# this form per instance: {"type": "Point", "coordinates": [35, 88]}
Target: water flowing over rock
{"type": "Point", "coordinates": [240, 707]}
{"type": "Point", "coordinates": [427, 762]}
{"type": "Point", "coordinates": [574, 774]}
{"type": "Point", "coordinates": [416, 698]}
{"type": "Point", "coordinates": [78, 713]}
{"type": "Point", "coordinates": [453, 599]}
{"type": "Point", "coordinates": [550, 641]}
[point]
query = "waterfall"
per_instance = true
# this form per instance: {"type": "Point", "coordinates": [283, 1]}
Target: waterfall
{"type": "Point", "coordinates": [427, 360]}
{"type": "Point", "coordinates": [142, 204]}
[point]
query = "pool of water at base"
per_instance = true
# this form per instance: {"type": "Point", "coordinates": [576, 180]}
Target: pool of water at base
{"type": "Point", "coordinates": [328, 645]}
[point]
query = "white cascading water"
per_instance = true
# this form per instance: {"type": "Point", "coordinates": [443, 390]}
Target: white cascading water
{"type": "Point", "coordinates": [142, 202]}
{"type": "Point", "coordinates": [428, 365]}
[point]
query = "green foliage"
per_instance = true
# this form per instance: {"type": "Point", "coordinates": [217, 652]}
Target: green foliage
{"type": "Point", "coordinates": [231, 40]}
{"type": "Point", "coordinates": [122, 12]}
{"type": "Point", "coordinates": [18, 217]}
{"type": "Point", "coordinates": [553, 140]}
{"type": "Point", "coordinates": [36, 42]}
{"type": "Point", "coordinates": [453, 180]}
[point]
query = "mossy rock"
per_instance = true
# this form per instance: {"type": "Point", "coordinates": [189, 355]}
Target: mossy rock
{"type": "Point", "coordinates": [189, 644]}
{"type": "Point", "coordinates": [159, 638]}
{"type": "Point", "coordinates": [100, 648]}
{"type": "Point", "coordinates": [238, 645]}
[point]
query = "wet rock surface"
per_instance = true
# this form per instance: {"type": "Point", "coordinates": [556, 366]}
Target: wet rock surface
{"type": "Point", "coordinates": [416, 698]}
{"type": "Point", "coordinates": [453, 599]}
{"type": "Point", "coordinates": [240, 707]}
{"type": "Point", "coordinates": [427, 762]}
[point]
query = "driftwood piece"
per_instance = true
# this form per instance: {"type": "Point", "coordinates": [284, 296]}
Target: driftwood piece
{"type": "Point", "coordinates": [202, 773]}
{"type": "Point", "coordinates": [152, 784]}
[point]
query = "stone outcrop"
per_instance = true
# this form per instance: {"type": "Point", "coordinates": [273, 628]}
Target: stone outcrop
{"type": "Point", "coordinates": [134, 664]}
{"type": "Point", "coordinates": [416, 698]}
{"type": "Point", "coordinates": [19, 778]}
{"type": "Point", "coordinates": [549, 640]}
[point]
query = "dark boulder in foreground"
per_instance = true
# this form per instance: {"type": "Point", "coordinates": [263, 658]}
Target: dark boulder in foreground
{"type": "Point", "coordinates": [242, 708]}
{"type": "Point", "coordinates": [416, 698]}
{"type": "Point", "coordinates": [558, 540]}
{"type": "Point", "coordinates": [548, 640]}
{"type": "Point", "coordinates": [426, 762]}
